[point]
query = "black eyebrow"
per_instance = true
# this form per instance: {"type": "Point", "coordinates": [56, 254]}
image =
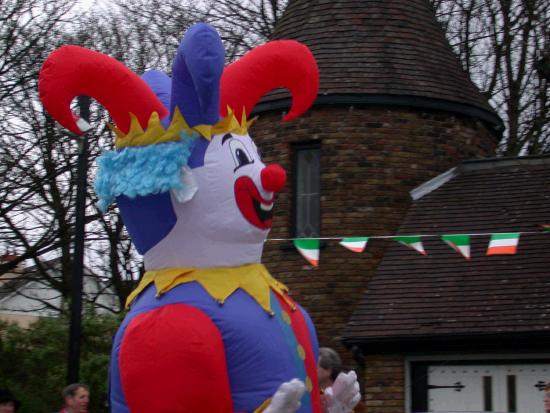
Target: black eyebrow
{"type": "Point", "coordinates": [226, 137]}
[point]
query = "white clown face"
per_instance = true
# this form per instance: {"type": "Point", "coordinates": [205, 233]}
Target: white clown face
{"type": "Point", "coordinates": [228, 219]}
{"type": "Point", "coordinates": [235, 184]}
{"type": "Point", "coordinates": [253, 184]}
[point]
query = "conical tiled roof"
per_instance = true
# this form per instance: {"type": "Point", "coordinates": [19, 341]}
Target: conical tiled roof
{"type": "Point", "coordinates": [381, 52]}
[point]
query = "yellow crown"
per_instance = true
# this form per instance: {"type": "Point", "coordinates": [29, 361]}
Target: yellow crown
{"type": "Point", "coordinates": [156, 133]}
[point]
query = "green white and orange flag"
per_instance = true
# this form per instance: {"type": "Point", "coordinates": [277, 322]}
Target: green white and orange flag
{"type": "Point", "coordinates": [460, 243]}
{"type": "Point", "coordinates": [505, 243]}
{"type": "Point", "coordinates": [412, 241]}
{"type": "Point", "coordinates": [309, 248]}
{"type": "Point", "coordinates": [355, 244]}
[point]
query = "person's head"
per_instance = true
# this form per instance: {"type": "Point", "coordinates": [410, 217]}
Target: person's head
{"type": "Point", "coordinates": [8, 403]}
{"type": "Point", "coordinates": [329, 366]}
{"type": "Point", "coordinates": [76, 397]}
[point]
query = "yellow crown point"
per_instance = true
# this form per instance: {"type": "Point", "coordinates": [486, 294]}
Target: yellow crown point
{"type": "Point", "coordinates": [251, 122]}
{"type": "Point", "coordinates": [156, 133]}
{"type": "Point", "coordinates": [243, 118]}
{"type": "Point", "coordinates": [135, 129]}
{"type": "Point", "coordinates": [178, 124]}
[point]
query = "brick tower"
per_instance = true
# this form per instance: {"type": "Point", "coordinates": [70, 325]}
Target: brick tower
{"type": "Point", "coordinates": [394, 109]}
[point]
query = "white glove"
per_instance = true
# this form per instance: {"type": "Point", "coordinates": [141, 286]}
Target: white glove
{"type": "Point", "coordinates": [287, 397]}
{"type": "Point", "coordinates": [344, 394]}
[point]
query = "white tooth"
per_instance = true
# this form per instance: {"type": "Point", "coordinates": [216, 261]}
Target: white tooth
{"type": "Point", "coordinates": [266, 207]}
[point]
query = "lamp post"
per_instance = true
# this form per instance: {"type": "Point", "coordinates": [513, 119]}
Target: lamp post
{"type": "Point", "coordinates": [78, 255]}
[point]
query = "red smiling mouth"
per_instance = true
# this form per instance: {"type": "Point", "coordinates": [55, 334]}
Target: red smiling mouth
{"type": "Point", "coordinates": [255, 209]}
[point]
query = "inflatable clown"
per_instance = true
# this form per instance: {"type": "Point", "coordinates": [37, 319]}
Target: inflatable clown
{"type": "Point", "coordinates": [208, 330]}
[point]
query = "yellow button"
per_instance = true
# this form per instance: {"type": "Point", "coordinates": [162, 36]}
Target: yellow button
{"type": "Point", "coordinates": [301, 352]}
{"type": "Point", "coordinates": [309, 385]}
{"type": "Point", "coordinates": [286, 317]}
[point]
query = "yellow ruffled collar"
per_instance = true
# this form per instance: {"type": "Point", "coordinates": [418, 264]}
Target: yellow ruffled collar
{"type": "Point", "coordinates": [219, 282]}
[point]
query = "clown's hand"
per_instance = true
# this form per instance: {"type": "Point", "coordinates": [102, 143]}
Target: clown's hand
{"type": "Point", "coordinates": [287, 397]}
{"type": "Point", "coordinates": [343, 395]}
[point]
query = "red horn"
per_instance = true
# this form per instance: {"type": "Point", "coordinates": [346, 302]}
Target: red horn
{"type": "Point", "coordinates": [72, 71]}
{"type": "Point", "coordinates": [277, 64]}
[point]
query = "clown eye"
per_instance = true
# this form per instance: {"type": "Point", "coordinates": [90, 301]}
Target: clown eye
{"type": "Point", "coordinates": [240, 154]}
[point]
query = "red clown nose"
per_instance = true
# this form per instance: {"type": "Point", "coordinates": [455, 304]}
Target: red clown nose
{"type": "Point", "coordinates": [273, 178]}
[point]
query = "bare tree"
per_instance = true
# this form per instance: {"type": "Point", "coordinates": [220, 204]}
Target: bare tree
{"type": "Point", "coordinates": [243, 24]}
{"type": "Point", "coordinates": [27, 27]}
{"type": "Point", "coordinates": [142, 34]}
{"type": "Point", "coordinates": [499, 43]}
{"type": "Point", "coordinates": [38, 161]}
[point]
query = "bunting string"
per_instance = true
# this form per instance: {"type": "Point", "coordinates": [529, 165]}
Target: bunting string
{"type": "Point", "coordinates": [473, 234]}
{"type": "Point", "coordinates": [500, 243]}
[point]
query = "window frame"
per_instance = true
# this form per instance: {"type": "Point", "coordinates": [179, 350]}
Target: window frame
{"type": "Point", "coordinates": [296, 148]}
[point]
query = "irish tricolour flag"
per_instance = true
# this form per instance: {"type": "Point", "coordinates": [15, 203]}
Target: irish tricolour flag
{"type": "Point", "coordinates": [460, 243]}
{"type": "Point", "coordinates": [506, 243]}
{"type": "Point", "coordinates": [309, 248]}
{"type": "Point", "coordinates": [412, 241]}
{"type": "Point", "coordinates": [355, 244]}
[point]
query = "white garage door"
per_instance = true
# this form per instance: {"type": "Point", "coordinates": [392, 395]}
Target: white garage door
{"type": "Point", "coordinates": [488, 388]}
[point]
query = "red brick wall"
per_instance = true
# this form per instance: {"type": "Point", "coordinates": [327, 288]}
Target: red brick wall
{"type": "Point", "coordinates": [370, 160]}
{"type": "Point", "coordinates": [384, 384]}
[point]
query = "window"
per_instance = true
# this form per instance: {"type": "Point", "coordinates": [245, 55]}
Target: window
{"type": "Point", "coordinates": [307, 177]}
